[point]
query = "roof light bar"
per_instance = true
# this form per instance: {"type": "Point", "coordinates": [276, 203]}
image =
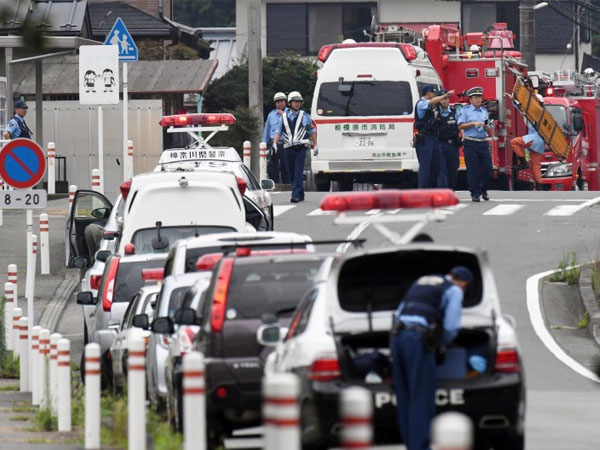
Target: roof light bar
{"type": "Point", "coordinates": [389, 199]}
{"type": "Point", "coordinates": [186, 120]}
{"type": "Point", "coordinates": [408, 50]}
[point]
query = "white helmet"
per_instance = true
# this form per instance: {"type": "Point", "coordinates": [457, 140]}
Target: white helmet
{"type": "Point", "coordinates": [474, 48]}
{"type": "Point", "coordinates": [279, 96]}
{"type": "Point", "coordinates": [295, 95]}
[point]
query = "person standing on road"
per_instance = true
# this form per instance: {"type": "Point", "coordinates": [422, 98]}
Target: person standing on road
{"type": "Point", "coordinates": [427, 319]}
{"type": "Point", "coordinates": [298, 134]}
{"type": "Point", "coordinates": [474, 124]}
{"type": "Point", "coordinates": [17, 128]}
{"type": "Point", "coordinates": [449, 141]}
{"type": "Point", "coordinates": [426, 138]}
{"type": "Point", "coordinates": [277, 161]}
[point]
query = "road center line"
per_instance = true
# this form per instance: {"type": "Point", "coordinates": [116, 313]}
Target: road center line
{"type": "Point", "coordinates": [537, 320]}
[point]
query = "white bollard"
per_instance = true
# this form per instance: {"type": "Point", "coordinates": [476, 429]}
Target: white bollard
{"type": "Point", "coordinates": [44, 245]}
{"type": "Point", "coordinates": [43, 368]}
{"type": "Point", "coordinates": [194, 402]}
{"type": "Point", "coordinates": [129, 160]}
{"type": "Point", "coordinates": [13, 275]}
{"type": "Point", "coordinates": [9, 305]}
{"type": "Point", "coordinates": [263, 160]}
{"type": "Point", "coordinates": [452, 431]}
{"type": "Point", "coordinates": [34, 381]}
{"type": "Point", "coordinates": [281, 411]}
{"type": "Point", "coordinates": [92, 396]}
{"type": "Point", "coordinates": [53, 378]}
{"type": "Point", "coordinates": [96, 180]}
{"type": "Point", "coordinates": [51, 168]}
{"type": "Point", "coordinates": [64, 385]}
{"type": "Point", "coordinates": [356, 410]}
{"type": "Point", "coordinates": [247, 151]}
{"type": "Point", "coordinates": [136, 391]}
{"type": "Point", "coordinates": [16, 331]}
{"type": "Point", "coordinates": [23, 354]}
{"type": "Point", "coordinates": [72, 191]}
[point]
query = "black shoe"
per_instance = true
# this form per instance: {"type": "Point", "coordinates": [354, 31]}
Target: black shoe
{"type": "Point", "coordinates": [486, 197]}
{"type": "Point", "coordinates": [295, 200]}
{"type": "Point", "coordinates": [475, 198]}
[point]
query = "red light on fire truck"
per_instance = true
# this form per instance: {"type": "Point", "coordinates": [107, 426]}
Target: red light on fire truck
{"type": "Point", "coordinates": [184, 120]}
{"type": "Point", "coordinates": [389, 199]}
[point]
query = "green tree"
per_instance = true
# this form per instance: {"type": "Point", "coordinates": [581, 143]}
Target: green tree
{"type": "Point", "coordinates": [205, 13]}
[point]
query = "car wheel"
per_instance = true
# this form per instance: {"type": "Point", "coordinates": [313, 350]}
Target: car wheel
{"type": "Point", "coordinates": [178, 412]}
{"type": "Point", "coordinates": [272, 213]}
{"type": "Point", "coordinates": [214, 432]}
{"type": "Point", "coordinates": [510, 442]}
{"type": "Point", "coordinates": [312, 436]}
{"type": "Point", "coordinates": [322, 184]}
{"type": "Point", "coordinates": [346, 185]}
{"type": "Point", "coordinates": [82, 367]}
{"type": "Point", "coordinates": [86, 340]}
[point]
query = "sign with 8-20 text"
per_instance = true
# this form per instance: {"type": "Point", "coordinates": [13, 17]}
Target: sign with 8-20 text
{"type": "Point", "coordinates": [23, 199]}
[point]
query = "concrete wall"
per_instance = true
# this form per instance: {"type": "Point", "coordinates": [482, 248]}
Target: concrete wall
{"type": "Point", "coordinates": [407, 11]}
{"type": "Point", "coordinates": [552, 63]}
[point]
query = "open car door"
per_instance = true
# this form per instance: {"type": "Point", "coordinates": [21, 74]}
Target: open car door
{"type": "Point", "coordinates": [255, 217]}
{"type": "Point", "coordinates": [88, 207]}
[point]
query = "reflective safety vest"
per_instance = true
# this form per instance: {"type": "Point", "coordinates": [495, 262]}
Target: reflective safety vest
{"type": "Point", "coordinates": [447, 127]}
{"type": "Point", "coordinates": [424, 298]}
{"type": "Point", "coordinates": [300, 134]}
{"type": "Point", "coordinates": [425, 125]}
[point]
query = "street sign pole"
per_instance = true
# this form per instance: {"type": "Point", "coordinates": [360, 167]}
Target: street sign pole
{"type": "Point", "coordinates": [29, 280]}
{"type": "Point", "coordinates": [126, 173]}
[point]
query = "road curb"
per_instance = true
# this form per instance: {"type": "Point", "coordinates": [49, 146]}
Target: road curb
{"type": "Point", "coordinates": [56, 306]}
{"type": "Point", "coordinates": [589, 301]}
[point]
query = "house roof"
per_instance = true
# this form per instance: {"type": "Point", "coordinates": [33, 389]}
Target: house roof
{"type": "Point", "coordinates": [61, 75]}
{"type": "Point", "coordinates": [223, 48]}
{"type": "Point", "coordinates": [57, 17]}
{"type": "Point", "coordinates": [138, 22]}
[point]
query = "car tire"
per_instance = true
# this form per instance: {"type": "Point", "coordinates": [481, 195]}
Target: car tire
{"type": "Point", "coordinates": [346, 185]}
{"type": "Point", "coordinates": [272, 213]}
{"type": "Point", "coordinates": [86, 340]}
{"type": "Point", "coordinates": [510, 442]}
{"type": "Point", "coordinates": [312, 437]}
{"type": "Point", "coordinates": [322, 184]}
{"type": "Point", "coordinates": [82, 368]}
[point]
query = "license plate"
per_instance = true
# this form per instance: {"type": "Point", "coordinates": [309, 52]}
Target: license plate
{"type": "Point", "coordinates": [365, 141]}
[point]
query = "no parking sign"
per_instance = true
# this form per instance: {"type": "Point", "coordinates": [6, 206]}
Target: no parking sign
{"type": "Point", "coordinates": [22, 163]}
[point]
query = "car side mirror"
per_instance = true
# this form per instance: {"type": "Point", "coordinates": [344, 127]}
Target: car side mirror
{"type": "Point", "coordinates": [269, 335]}
{"type": "Point", "coordinates": [103, 255]}
{"type": "Point", "coordinates": [81, 262]}
{"type": "Point", "coordinates": [185, 316]}
{"type": "Point", "coordinates": [86, 298]}
{"type": "Point", "coordinates": [163, 325]}
{"type": "Point", "coordinates": [141, 321]}
{"type": "Point", "coordinates": [160, 244]}
{"type": "Point", "coordinates": [101, 213]}
{"type": "Point", "coordinates": [577, 122]}
{"type": "Point", "coordinates": [267, 185]}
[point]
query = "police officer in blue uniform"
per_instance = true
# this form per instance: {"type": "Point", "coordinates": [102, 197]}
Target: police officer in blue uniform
{"type": "Point", "coordinates": [426, 138]}
{"type": "Point", "coordinates": [298, 133]}
{"type": "Point", "coordinates": [427, 319]}
{"type": "Point", "coordinates": [277, 161]}
{"type": "Point", "coordinates": [473, 122]}
{"type": "Point", "coordinates": [448, 140]}
{"type": "Point", "coordinates": [17, 128]}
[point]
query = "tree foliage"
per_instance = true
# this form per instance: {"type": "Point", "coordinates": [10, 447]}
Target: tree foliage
{"type": "Point", "coordinates": [205, 13]}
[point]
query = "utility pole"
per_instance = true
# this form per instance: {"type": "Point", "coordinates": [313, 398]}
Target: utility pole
{"type": "Point", "coordinates": [527, 25]}
{"type": "Point", "coordinates": [255, 85]}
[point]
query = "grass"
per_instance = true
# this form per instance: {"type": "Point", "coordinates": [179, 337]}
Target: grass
{"type": "Point", "coordinates": [9, 387]}
{"type": "Point", "coordinates": [38, 441]}
{"type": "Point", "coordinates": [9, 367]}
{"type": "Point", "coordinates": [25, 409]}
{"type": "Point", "coordinates": [114, 430]}
{"type": "Point", "coordinates": [45, 420]}
{"type": "Point", "coordinates": [19, 418]}
{"type": "Point", "coordinates": [585, 321]}
{"type": "Point", "coordinates": [566, 271]}
{"type": "Point", "coordinates": [163, 435]}
{"type": "Point", "coordinates": [596, 282]}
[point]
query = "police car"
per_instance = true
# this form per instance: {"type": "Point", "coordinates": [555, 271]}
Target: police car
{"type": "Point", "coordinates": [200, 155]}
{"type": "Point", "coordinates": [345, 320]}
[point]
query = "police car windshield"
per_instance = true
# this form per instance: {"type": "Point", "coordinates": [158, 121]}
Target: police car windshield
{"type": "Point", "coordinates": [142, 239]}
{"type": "Point", "coordinates": [365, 98]}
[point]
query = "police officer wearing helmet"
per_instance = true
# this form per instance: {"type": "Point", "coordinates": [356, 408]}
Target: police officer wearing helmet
{"type": "Point", "coordinates": [448, 140]}
{"type": "Point", "coordinates": [426, 138]}
{"type": "Point", "coordinates": [277, 162]}
{"type": "Point", "coordinates": [474, 124]}
{"type": "Point", "coordinates": [17, 128]}
{"type": "Point", "coordinates": [427, 319]}
{"type": "Point", "coordinates": [298, 133]}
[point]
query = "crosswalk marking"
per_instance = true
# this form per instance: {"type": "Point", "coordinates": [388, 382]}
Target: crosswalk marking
{"type": "Point", "coordinates": [320, 212]}
{"type": "Point", "coordinates": [280, 209]}
{"type": "Point", "coordinates": [563, 210]}
{"type": "Point", "coordinates": [503, 210]}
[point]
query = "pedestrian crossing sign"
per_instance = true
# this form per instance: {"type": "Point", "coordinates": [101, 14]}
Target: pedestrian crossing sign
{"type": "Point", "coordinates": [119, 36]}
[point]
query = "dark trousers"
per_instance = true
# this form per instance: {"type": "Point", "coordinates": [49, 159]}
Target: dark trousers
{"type": "Point", "coordinates": [296, 156]}
{"type": "Point", "coordinates": [277, 165]}
{"type": "Point", "coordinates": [448, 165]}
{"type": "Point", "coordinates": [284, 156]}
{"type": "Point", "coordinates": [479, 166]}
{"type": "Point", "coordinates": [428, 155]}
{"type": "Point", "coordinates": [414, 385]}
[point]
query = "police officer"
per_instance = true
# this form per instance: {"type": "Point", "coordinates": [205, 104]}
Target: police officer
{"type": "Point", "coordinates": [298, 133]}
{"type": "Point", "coordinates": [428, 318]}
{"type": "Point", "coordinates": [17, 128]}
{"type": "Point", "coordinates": [426, 138]}
{"type": "Point", "coordinates": [449, 141]}
{"type": "Point", "coordinates": [277, 159]}
{"type": "Point", "coordinates": [473, 122]}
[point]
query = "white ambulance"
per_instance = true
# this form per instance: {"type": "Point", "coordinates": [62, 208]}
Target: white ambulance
{"type": "Point", "coordinates": [363, 107]}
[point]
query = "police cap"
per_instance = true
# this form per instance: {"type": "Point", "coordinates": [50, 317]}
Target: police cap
{"type": "Point", "coordinates": [427, 88]}
{"type": "Point", "coordinates": [477, 90]}
{"type": "Point", "coordinates": [462, 273]}
{"type": "Point", "coordinates": [441, 92]}
{"type": "Point", "coordinates": [21, 104]}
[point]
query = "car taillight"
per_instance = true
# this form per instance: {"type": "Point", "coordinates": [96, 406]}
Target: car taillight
{"type": "Point", "coordinates": [241, 184]}
{"type": "Point", "coordinates": [208, 261]}
{"type": "Point", "coordinates": [324, 369]}
{"type": "Point", "coordinates": [95, 281]}
{"type": "Point", "coordinates": [507, 361]}
{"type": "Point", "coordinates": [125, 187]}
{"type": "Point", "coordinates": [109, 284]}
{"type": "Point", "coordinates": [217, 315]}
{"type": "Point", "coordinates": [153, 274]}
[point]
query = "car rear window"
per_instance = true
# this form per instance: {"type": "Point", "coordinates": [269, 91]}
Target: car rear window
{"type": "Point", "coordinates": [268, 288]}
{"type": "Point", "coordinates": [129, 278]}
{"type": "Point", "coordinates": [365, 98]}
{"type": "Point", "coordinates": [142, 239]}
{"type": "Point", "coordinates": [379, 281]}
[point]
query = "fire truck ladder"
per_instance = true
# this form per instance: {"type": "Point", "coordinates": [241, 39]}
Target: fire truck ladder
{"type": "Point", "coordinates": [533, 110]}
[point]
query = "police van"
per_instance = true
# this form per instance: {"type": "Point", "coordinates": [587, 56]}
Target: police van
{"type": "Point", "coordinates": [363, 107]}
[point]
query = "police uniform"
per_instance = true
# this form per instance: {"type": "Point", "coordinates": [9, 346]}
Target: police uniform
{"type": "Point", "coordinates": [533, 141]}
{"type": "Point", "coordinates": [476, 148]}
{"type": "Point", "coordinates": [449, 144]}
{"type": "Point", "coordinates": [17, 126]}
{"type": "Point", "coordinates": [433, 302]}
{"type": "Point", "coordinates": [426, 141]}
{"type": "Point", "coordinates": [276, 163]}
